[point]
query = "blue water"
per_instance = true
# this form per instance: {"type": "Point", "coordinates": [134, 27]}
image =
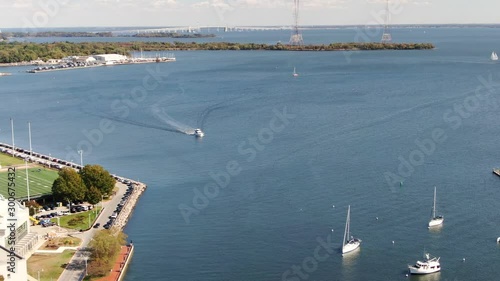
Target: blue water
{"type": "Point", "coordinates": [353, 117]}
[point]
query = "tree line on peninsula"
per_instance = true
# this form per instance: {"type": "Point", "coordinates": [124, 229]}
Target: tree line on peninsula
{"type": "Point", "coordinates": [15, 52]}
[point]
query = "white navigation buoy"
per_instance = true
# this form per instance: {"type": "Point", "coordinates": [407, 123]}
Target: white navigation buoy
{"type": "Point", "coordinates": [406, 275]}
{"type": "Point", "coordinates": [333, 206]}
{"type": "Point", "coordinates": [332, 230]}
{"type": "Point", "coordinates": [392, 241]}
{"type": "Point", "coordinates": [463, 259]}
{"type": "Point", "coordinates": [376, 218]}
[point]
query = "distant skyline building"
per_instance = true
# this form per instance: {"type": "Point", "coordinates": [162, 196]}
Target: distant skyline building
{"type": "Point", "coordinates": [386, 36]}
{"type": "Point", "coordinates": [296, 37]}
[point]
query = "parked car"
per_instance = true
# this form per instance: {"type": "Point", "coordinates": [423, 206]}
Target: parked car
{"type": "Point", "coordinates": [97, 225]}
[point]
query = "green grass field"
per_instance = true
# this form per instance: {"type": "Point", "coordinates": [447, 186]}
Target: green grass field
{"type": "Point", "coordinates": [7, 160]}
{"type": "Point", "coordinates": [80, 220]}
{"type": "Point", "coordinates": [50, 266]}
{"type": "Point", "coordinates": [40, 181]}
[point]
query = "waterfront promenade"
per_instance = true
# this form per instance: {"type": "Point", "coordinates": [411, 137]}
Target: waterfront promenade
{"type": "Point", "coordinates": [120, 265]}
{"type": "Point", "coordinates": [76, 268]}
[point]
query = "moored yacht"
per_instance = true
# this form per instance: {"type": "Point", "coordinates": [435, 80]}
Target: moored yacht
{"type": "Point", "coordinates": [435, 219]}
{"type": "Point", "coordinates": [349, 243]}
{"type": "Point", "coordinates": [429, 265]}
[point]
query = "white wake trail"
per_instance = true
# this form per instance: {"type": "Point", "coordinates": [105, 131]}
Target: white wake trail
{"type": "Point", "coordinates": [176, 125]}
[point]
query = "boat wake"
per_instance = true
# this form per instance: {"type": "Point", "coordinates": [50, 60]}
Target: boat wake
{"type": "Point", "coordinates": [136, 123]}
{"type": "Point", "coordinates": [175, 125]}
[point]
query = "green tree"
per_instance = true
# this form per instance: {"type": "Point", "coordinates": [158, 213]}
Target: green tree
{"type": "Point", "coordinates": [33, 207]}
{"type": "Point", "coordinates": [105, 247]}
{"type": "Point", "coordinates": [68, 186]}
{"type": "Point", "coordinates": [97, 176]}
{"type": "Point", "coordinates": [106, 244]}
{"type": "Point", "coordinates": [93, 195]}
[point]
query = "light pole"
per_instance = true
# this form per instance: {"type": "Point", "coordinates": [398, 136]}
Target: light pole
{"type": "Point", "coordinates": [12, 128]}
{"type": "Point", "coordinates": [39, 274]}
{"type": "Point", "coordinates": [29, 132]}
{"type": "Point", "coordinates": [81, 157]}
{"type": "Point", "coordinates": [86, 266]}
{"type": "Point", "coordinates": [27, 180]}
{"type": "Point", "coordinates": [89, 219]}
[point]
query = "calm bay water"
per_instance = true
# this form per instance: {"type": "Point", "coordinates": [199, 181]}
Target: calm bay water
{"type": "Point", "coordinates": [353, 117]}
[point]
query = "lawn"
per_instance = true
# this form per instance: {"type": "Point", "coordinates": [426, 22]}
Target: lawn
{"type": "Point", "coordinates": [50, 266]}
{"type": "Point", "coordinates": [7, 160]}
{"type": "Point", "coordinates": [40, 180]}
{"type": "Point", "coordinates": [55, 243]}
{"type": "Point", "coordinates": [80, 220]}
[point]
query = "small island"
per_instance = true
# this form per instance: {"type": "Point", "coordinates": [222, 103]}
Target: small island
{"type": "Point", "coordinates": [17, 52]}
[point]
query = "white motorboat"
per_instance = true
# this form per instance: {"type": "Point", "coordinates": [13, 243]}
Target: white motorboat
{"type": "Point", "coordinates": [435, 219]}
{"type": "Point", "coordinates": [494, 56]}
{"type": "Point", "coordinates": [198, 133]}
{"type": "Point", "coordinates": [429, 265]}
{"type": "Point", "coordinates": [295, 74]}
{"type": "Point", "coordinates": [349, 243]}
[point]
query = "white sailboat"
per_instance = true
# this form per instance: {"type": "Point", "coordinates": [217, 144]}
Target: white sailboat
{"type": "Point", "coordinates": [295, 74]}
{"type": "Point", "coordinates": [494, 56]}
{"type": "Point", "coordinates": [349, 243]}
{"type": "Point", "coordinates": [435, 220]}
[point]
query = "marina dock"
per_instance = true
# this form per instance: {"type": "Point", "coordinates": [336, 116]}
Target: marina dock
{"type": "Point", "coordinates": [69, 65]}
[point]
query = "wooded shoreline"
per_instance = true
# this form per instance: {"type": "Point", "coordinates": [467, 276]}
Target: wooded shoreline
{"type": "Point", "coordinates": [18, 52]}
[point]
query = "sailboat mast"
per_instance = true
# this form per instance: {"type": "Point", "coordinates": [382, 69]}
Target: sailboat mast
{"type": "Point", "coordinates": [346, 231]}
{"type": "Point", "coordinates": [434, 206]}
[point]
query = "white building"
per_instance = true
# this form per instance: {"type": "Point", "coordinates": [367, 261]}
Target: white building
{"type": "Point", "coordinates": [84, 59]}
{"type": "Point", "coordinates": [14, 227]}
{"type": "Point", "coordinates": [110, 58]}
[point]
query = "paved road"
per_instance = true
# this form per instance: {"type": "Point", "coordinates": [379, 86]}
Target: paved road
{"type": "Point", "coordinates": [76, 267]}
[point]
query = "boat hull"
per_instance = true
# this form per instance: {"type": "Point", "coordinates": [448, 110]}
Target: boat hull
{"type": "Point", "coordinates": [418, 271]}
{"type": "Point", "coordinates": [351, 246]}
{"type": "Point", "coordinates": [436, 221]}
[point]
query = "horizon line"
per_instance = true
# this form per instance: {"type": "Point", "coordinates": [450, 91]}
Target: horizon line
{"type": "Point", "coordinates": [282, 26]}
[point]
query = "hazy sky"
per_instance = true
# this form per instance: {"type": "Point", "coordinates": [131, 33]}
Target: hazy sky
{"type": "Point", "coordinates": [61, 13]}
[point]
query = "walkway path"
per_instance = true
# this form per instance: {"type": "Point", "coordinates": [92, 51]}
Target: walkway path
{"type": "Point", "coordinates": [119, 266]}
{"type": "Point", "coordinates": [76, 267]}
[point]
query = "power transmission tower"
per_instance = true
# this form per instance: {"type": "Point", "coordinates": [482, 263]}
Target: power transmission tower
{"type": "Point", "coordinates": [386, 36]}
{"type": "Point", "coordinates": [296, 37]}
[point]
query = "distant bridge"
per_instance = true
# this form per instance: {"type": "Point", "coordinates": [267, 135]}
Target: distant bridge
{"type": "Point", "coordinates": [199, 29]}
